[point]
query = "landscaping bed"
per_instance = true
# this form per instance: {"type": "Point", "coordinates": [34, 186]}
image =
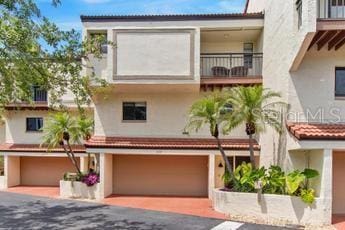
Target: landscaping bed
{"type": "Point", "coordinates": [271, 208]}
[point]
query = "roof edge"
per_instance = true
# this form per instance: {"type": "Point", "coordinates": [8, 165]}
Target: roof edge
{"type": "Point", "coordinates": [167, 17]}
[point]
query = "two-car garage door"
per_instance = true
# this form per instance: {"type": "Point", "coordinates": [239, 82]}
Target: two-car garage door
{"type": "Point", "coordinates": [160, 175]}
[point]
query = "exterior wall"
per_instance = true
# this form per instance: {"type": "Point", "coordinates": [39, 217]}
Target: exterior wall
{"type": "Point", "coordinates": [106, 175]}
{"type": "Point", "coordinates": [12, 171]}
{"type": "Point", "coordinates": [16, 127]}
{"type": "Point", "coordinates": [224, 47]}
{"type": "Point", "coordinates": [255, 6]}
{"type": "Point", "coordinates": [338, 183]}
{"type": "Point", "coordinates": [316, 102]}
{"type": "Point", "coordinates": [2, 132]}
{"type": "Point", "coordinates": [166, 116]}
{"type": "Point", "coordinates": [47, 171]}
{"type": "Point", "coordinates": [285, 44]}
{"type": "Point", "coordinates": [148, 53]}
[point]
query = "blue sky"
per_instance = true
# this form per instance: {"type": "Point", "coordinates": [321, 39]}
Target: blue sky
{"type": "Point", "coordinates": [67, 15]}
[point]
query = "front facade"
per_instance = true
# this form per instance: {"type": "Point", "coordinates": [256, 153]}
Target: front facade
{"type": "Point", "coordinates": [162, 64]}
{"type": "Point", "coordinates": [159, 67]}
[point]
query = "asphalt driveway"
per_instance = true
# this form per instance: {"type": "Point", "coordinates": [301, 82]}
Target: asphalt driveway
{"type": "Point", "coordinates": [18, 211]}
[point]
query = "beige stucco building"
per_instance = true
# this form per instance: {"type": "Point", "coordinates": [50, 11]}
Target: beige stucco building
{"type": "Point", "coordinates": [161, 64]}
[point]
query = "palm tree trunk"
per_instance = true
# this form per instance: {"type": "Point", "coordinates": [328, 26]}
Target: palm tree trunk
{"type": "Point", "coordinates": [225, 158]}
{"type": "Point", "coordinates": [73, 157]}
{"type": "Point", "coordinates": [251, 151]}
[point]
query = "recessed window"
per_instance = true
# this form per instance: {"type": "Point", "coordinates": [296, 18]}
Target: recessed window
{"type": "Point", "coordinates": [340, 82]}
{"type": "Point", "coordinates": [134, 111]}
{"type": "Point", "coordinates": [34, 124]}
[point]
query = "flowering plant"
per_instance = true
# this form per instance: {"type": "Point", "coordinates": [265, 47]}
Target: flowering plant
{"type": "Point", "coordinates": [91, 179]}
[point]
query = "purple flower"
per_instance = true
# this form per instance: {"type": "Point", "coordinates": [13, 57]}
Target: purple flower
{"type": "Point", "coordinates": [91, 179]}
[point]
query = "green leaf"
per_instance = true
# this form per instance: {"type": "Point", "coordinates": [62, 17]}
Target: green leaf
{"type": "Point", "coordinates": [294, 181]}
{"type": "Point", "coordinates": [308, 196]}
{"type": "Point", "coordinates": [310, 173]}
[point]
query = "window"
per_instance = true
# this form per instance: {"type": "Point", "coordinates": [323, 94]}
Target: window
{"type": "Point", "coordinates": [134, 111]}
{"type": "Point", "coordinates": [299, 12]}
{"type": "Point", "coordinates": [34, 124]}
{"type": "Point", "coordinates": [248, 49]}
{"type": "Point", "coordinates": [340, 82]}
{"type": "Point", "coordinates": [39, 94]}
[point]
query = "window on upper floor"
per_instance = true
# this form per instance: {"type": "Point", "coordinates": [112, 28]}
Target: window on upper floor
{"type": "Point", "coordinates": [39, 94]}
{"type": "Point", "coordinates": [134, 111]}
{"type": "Point", "coordinates": [299, 12]}
{"type": "Point", "coordinates": [248, 49]}
{"type": "Point", "coordinates": [340, 81]}
{"type": "Point", "coordinates": [34, 124]}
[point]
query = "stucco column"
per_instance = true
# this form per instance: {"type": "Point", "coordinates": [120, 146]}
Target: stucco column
{"type": "Point", "coordinates": [12, 171]}
{"type": "Point", "coordinates": [106, 175]}
{"type": "Point", "coordinates": [211, 175]}
{"type": "Point", "coordinates": [326, 183]}
{"type": "Point", "coordinates": [83, 164]}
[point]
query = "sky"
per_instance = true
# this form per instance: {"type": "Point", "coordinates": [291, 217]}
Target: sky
{"type": "Point", "coordinates": [66, 16]}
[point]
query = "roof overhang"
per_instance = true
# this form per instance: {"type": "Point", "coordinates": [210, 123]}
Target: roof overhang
{"type": "Point", "coordinates": [173, 17]}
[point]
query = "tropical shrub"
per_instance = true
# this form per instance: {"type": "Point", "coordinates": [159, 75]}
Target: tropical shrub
{"type": "Point", "coordinates": [272, 181]}
{"type": "Point", "coordinates": [90, 179]}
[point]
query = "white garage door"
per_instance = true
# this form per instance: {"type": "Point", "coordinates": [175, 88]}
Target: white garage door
{"type": "Point", "coordinates": [160, 175]}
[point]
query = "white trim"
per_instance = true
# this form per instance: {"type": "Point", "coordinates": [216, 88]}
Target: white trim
{"type": "Point", "coordinates": [34, 154]}
{"type": "Point", "coordinates": [168, 151]}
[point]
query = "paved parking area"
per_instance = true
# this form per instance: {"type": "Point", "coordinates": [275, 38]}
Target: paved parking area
{"type": "Point", "coordinates": [19, 211]}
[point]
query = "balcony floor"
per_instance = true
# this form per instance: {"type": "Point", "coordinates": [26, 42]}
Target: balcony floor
{"type": "Point", "coordinates": [209, 82]}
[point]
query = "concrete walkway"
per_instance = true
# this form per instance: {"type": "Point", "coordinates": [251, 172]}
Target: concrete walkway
{"type": "Point", "coordinates": [20, 211]}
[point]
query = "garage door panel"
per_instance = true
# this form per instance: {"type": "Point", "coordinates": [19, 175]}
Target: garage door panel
{"type": "Point", "coordinates": [338, 183]}
{"type": "Point", "coordinates": [44, 171]}
{"type": "Point", "coordinates": [160, 175]}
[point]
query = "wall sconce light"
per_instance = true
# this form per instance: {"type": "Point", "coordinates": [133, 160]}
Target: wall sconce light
{"type": "Point", "coordinates": [220, 165]}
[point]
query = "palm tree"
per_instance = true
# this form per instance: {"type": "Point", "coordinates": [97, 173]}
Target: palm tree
{"type": "Point", "coordinates": [210, 111]}
{"type": "Point", "coordinates": [63, 130]}
{"type": "Point", "coordinates": [256, 107]}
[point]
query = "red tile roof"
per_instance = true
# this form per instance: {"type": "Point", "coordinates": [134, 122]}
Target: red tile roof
{"type": "Point", "coordinates": [167, 143]}
{"type": "Point", "coordinates": [36, 148]}
{"type": "Point", "coordinates": [317, 131]}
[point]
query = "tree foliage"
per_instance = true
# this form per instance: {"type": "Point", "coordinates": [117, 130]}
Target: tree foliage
{"type": "Point", "coordinates": [34, 51]}
{"type": "Point", "coordinates": [63, 130]}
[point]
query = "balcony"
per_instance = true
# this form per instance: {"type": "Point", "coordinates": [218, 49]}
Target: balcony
{"type": "Point", "coordinates": [331, 9]}
{"type": "Point", "coordinates": [39, 101]}
{"type": "Point", "coordinates": [330, 27]}
{"type": "Point", "coordinates": [226, 69]}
